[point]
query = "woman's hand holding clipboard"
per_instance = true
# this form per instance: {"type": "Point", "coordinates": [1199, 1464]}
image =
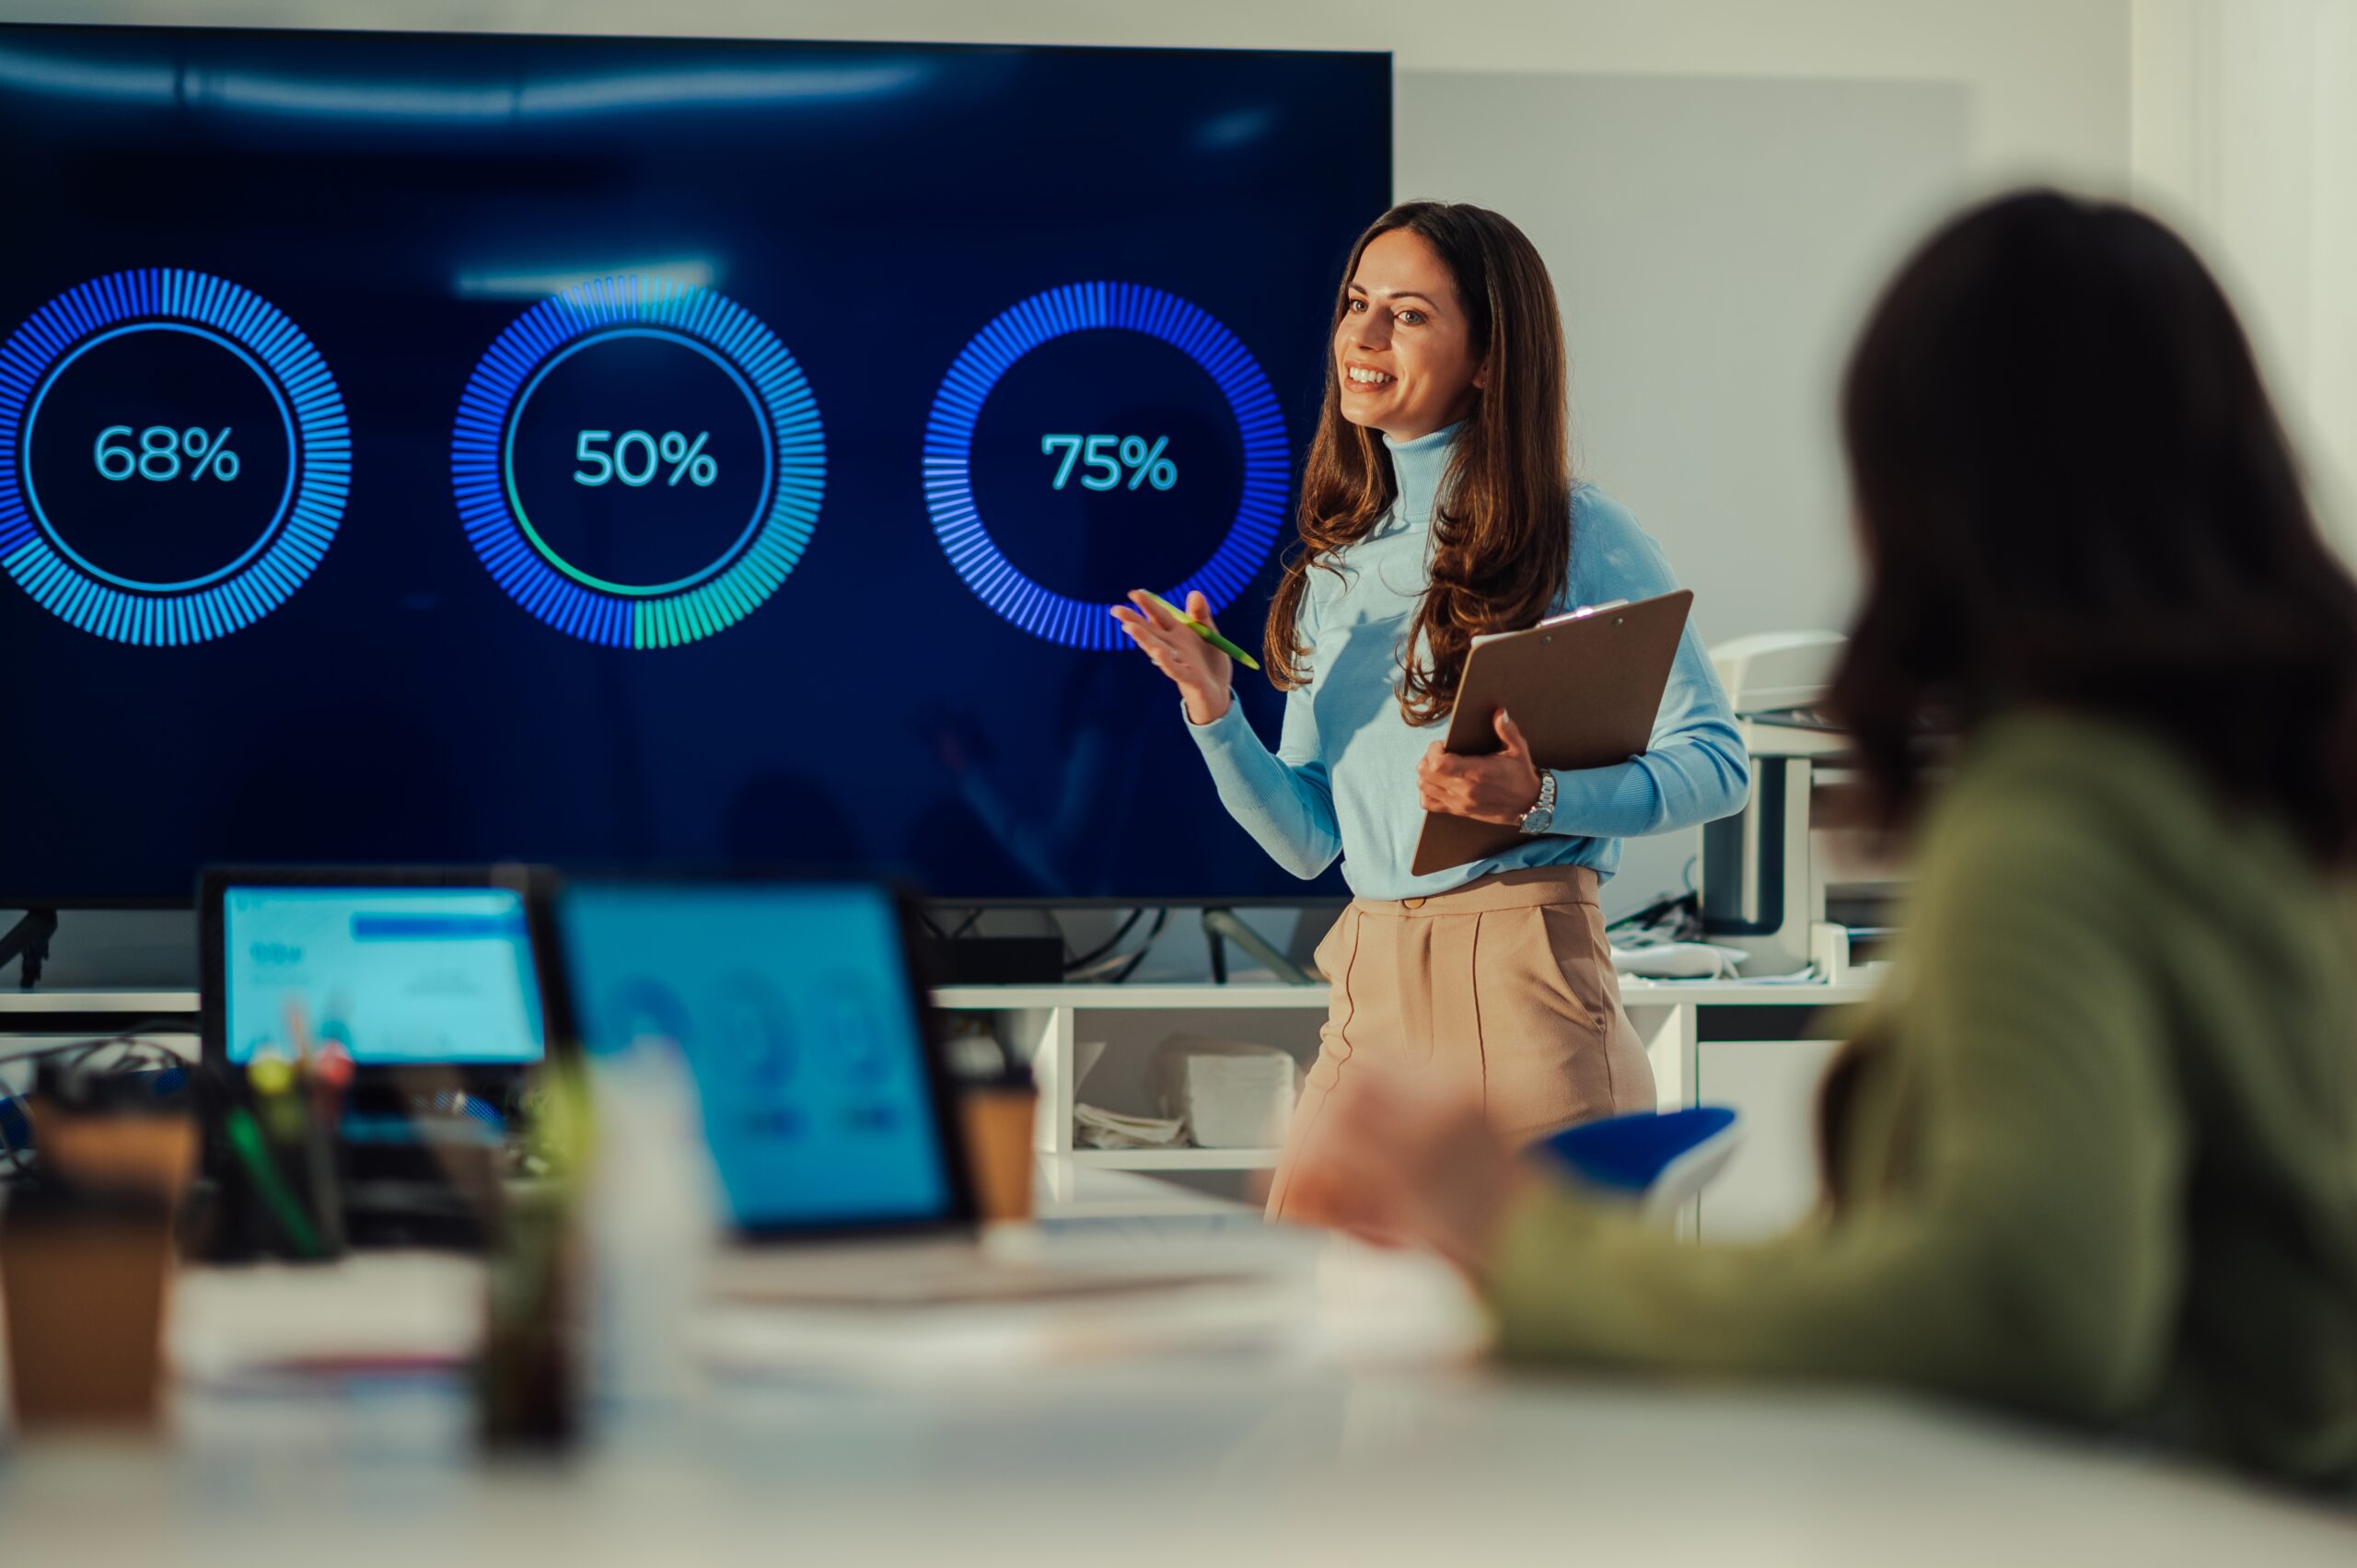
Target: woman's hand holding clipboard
{"type": "Point", "coordinates": [1497, 787]}
{"type": "Point", "coordinates": [1583, 689]}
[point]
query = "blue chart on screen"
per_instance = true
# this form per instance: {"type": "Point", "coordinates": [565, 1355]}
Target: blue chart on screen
{"type": "Point", "coordinates": [1042, 319]}
{"type": "Point", "coordinates": [682, 608]}
{"type": "Point", "coordinates": [36, 545]}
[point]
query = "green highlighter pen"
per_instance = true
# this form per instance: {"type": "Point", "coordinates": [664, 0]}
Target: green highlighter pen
{"type": "Point", "coordinates": [1205, 632]}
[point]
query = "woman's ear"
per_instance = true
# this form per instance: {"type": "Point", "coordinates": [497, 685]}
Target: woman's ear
{"type": "Point", "coordinates": [1482, 375]}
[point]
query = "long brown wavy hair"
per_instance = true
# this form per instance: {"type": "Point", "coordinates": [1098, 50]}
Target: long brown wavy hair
{"type": "Point", "coordinates": [1502, 538]}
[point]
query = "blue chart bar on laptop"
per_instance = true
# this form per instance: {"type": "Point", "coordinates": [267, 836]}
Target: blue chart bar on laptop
{"type": "Point", "coordinates": [436, 927]}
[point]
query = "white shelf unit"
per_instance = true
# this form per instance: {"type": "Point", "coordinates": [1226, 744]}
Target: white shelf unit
{"type": "Point", "coordinates": [130, 1003]}
{"type": "Point", "coordinates": [1047, 1024]}
{"type": "Point", "coordinates": [30, 1019]}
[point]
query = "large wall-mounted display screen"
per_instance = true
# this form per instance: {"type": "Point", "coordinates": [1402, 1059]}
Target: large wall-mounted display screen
{"type": "Point", "coordinates": [458, 447]}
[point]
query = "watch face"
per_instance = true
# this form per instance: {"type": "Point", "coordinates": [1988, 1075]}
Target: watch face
{"type": "Point", "coordinates": [1541, 815]}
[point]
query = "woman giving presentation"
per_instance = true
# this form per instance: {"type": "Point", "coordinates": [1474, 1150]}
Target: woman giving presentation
{"type": "Point", "coordinates": [1438, 504]}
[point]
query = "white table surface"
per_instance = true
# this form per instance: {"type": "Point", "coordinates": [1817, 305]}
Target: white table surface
{"type": "Point", "coordinates": [1341, 1429]}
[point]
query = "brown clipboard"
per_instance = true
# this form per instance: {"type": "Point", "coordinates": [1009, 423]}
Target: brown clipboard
{"type": "Point", "coordinates": [1584, 688]}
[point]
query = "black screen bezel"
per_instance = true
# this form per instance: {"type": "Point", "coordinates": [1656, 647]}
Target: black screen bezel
{"type": "Point", "coordinates": [213, 977]}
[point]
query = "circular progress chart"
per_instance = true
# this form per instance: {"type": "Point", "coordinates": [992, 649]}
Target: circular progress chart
{"type": "Point", "coordinates": [1158, 492]}
{"type": "Point", "coordinates": [174, 457]}
{"type": "Point", "coordinates": [596, 505]}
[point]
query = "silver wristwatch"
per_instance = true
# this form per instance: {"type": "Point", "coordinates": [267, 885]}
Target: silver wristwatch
{"type": "Point", "coordinates": [1541, 816]}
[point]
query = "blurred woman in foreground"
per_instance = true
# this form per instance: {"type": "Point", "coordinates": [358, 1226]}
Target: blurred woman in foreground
{"type": "Point", "coordinates": [2096, 1154]}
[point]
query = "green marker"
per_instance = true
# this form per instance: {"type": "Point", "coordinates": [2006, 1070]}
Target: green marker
{"type": "Point", "coordinates": [246, 1142]}
{"type": "Point", "coordinates": [1205, 632]}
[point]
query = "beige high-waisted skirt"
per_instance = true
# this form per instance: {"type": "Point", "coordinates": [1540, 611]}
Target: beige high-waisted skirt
{"type": "Point", "coordinates": [1501, 990]}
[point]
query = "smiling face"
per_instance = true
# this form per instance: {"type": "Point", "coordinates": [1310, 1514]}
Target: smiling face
{"type": "Point", "coordinates": [1404, 347]}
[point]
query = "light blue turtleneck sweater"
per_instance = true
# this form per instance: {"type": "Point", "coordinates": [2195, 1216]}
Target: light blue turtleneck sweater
{"type": "Point", "coordinates": [1343, 779]}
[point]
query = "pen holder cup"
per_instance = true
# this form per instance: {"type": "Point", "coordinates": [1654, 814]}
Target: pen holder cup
{"type": "Point", "coordinates": [998, 1121]}
{"type": "Point", "coordinates": [86, 1276]}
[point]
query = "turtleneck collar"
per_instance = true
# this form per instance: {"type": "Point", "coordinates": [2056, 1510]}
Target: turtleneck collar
{"type": "Point", "coordinates": [1419, 465]}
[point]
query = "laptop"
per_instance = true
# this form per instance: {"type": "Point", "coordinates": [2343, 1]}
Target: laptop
{"type": "Point", "coordinates": [404, 967]}
{"type": "Point", "coordinates": [799, 1009]}
{"type": "Point", "coordinates": [426, 977]}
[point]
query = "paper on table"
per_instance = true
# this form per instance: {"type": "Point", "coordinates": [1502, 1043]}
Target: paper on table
{"type": "Point", "coordinates": [371, 1311]}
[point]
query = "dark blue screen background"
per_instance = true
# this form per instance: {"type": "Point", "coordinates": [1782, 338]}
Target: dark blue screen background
{"type": "Point", "coordinates": [403, 198]}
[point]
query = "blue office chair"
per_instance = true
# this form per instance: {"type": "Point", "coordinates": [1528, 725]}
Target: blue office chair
{"type": "Point", "coordinates": [1657, 1162]}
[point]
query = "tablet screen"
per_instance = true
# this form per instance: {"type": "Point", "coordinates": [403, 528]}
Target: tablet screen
{"type": "Point", "coordinates": [795, 1010]}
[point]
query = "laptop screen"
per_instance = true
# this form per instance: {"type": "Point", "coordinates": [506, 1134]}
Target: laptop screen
{"type": "Point", "coordinates": [794, 1009]}
{"type": "Point", "coordinates": [397, 975]}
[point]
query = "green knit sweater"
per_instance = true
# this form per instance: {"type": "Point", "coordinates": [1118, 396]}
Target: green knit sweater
{"type": "Point", "coordinates": [2097, 1154]}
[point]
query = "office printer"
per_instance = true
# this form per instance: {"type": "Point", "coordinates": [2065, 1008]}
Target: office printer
{"type": "Point", "coordinates": [1788, 879]}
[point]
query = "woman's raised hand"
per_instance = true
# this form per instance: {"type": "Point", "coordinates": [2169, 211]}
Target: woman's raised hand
{"type": "Point", "coordinates": [1200, 671]}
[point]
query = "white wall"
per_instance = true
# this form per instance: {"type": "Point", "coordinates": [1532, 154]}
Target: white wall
{"type": "Point", "coordinates": [1757, 163]}
{"type": "Point", "coordinates": [2244, 132]}
{"type": "Point", "coordinates": [2049, 77]}
{"type": "Point", "coordinates": [1713, 240]}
